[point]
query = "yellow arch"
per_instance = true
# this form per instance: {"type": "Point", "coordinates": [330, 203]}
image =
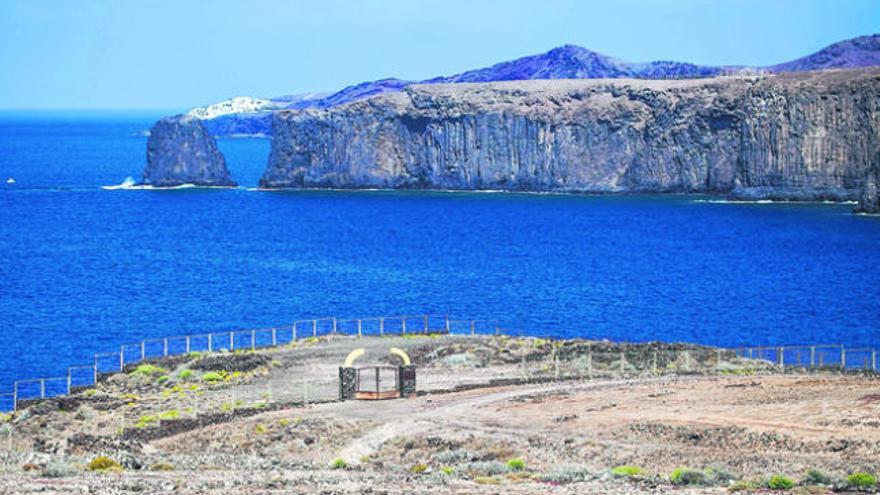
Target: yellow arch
{"type": "Point", "coordinates": [352, 357]}
{"type": "Point", "coordinates": [403, 355]}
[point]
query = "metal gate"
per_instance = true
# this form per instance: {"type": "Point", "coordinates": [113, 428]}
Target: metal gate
{"type": "Point", "coordinates": [377, 382]}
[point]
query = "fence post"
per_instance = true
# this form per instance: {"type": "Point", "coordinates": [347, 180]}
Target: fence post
{"type": "Point", "coordinates": [231, 341]}
{"type": "Point", "coordinates": [426, 324]}
{"type": "Point", "coordinates": [68, 381]}
{"type": "Point", "coordinates": [873, 359]}
{"type": "Point", "coordinates": [253, 339]}
{"type": "Point", "coordinates": [447, 324]}
{"type": "Point", "coordinates": [842, 357]}
{"type": "Point", "coordinates": [210, 342]}
{"type": "Point", "coordinates": [497, 329]}
{"type": "Point", "coordinates": [15, 396]}
{"type": "Point", "coordinates": [143, 351]}
{"type": "Point", "coordinates": [334, 325]}
{"type": "Point", "coordinates": [294, 332]}
{"type": "Point", "coordinates": [473, 327]}
{"type": "Point", "coordinates": [403, 325]}
{"type": "Point", "coordinates": [42, 388]}
{"type": "Point", "coordinates": [812, 356]}
{"type": "Point", "coordinates": [556, 360]}
{"type": "Point", "coordinates": [165, 347]}
{"type": "Point", "coordinates": [314, 328]}
{"type": "Point", "coordinates": [781, 352]}
{"type": "Point", "coordinates": [96, 375]}
{"type": "Point", "coordinates": [274, 337]}
{"type": "Point", "coordinates": [188, 344]}
{"type": "Point", "coordinates": [382, 326]}
{"type": "Point", "coordinates": [121, 359]}
{"type": "Point", "coordinates": [360, 329]}
{"type": "Point", "coordinates": [590, 360]}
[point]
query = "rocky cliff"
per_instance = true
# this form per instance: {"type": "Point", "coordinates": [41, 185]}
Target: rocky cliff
{"type": "Point", "coordinates": [181, 151]}
{"type": "Point", "coordinates": [791, 136]}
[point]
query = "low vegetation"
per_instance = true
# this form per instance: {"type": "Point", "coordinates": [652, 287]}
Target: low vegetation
{"type": "Point", "coordinates": [104, 463]}
{"type": "Point", "coordinates": [816, 477]}
{"type": "Point", "coordinates": [212, 377]}
{"type": "Point", "coordinates": [148, 371]}
{"type": "Point", "coordinates": [628, 471]}
{"type": "Point", "coordinates": [516, 464]}
{"type": "Point", "coordinates": [779, 482]}
{"type": "Point", "coordinates": [688, 477]}
{"type": "Point", "coordinates": [338, 463]}
{"type": "Point", "coordinates": [861, 481]}
{"type": "Point", "coordinates": [418, 468]}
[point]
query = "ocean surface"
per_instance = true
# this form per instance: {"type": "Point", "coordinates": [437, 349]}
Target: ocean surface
{"type": "Point", "coordinates": [84, 269]}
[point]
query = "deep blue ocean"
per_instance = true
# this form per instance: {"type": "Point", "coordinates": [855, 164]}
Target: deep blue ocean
{"type": "Point", "coordinates": [83, 270]}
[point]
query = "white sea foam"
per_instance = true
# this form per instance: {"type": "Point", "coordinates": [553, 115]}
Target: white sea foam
{"type": "Point", "coordinates": [770, 201]}
{"type": "Point", "coordinates": [130, 185]}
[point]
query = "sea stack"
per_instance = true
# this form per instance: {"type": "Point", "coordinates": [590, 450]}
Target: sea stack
{"type": "Point", "coordinates": [182, 151]}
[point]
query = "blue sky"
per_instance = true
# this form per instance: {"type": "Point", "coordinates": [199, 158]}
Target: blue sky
{"type": "Point", "coordinates": [176, 54]}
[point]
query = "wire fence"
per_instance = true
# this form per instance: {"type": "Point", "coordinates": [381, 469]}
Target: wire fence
{"type": "Point", "coordinates": [561, 362]}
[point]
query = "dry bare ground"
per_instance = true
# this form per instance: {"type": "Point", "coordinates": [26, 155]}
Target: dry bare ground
{"type": "Point", "coordinates": [569, 434]}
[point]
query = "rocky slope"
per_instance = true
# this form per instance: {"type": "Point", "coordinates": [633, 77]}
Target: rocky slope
{"type": "Point", "coordinates": [181, 151]}
{"type": "Point", "coordinates": [792, 136]}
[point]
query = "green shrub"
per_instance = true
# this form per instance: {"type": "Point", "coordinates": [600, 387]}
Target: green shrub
{"type": "Point", "coordinates": [5, 418]}
{"type": "Point", "coordinates": [339, 463]}
{"type": "Point", "coordinates": [148, 371]}
{"type": "Point", "coordinates": [861, 480]}
{"type": "Point", "coordinates": [185, 374]}
{"type": "Point", "coordinates": [145, 421]}
{"type": "Point", "coordinates": [816, 477]}
{"type": "Point", "coordinates": [260, 429]}
{"type": "Point", "coordinates": [90, 392]}
{"type": "Point", "coordinates": [418, 468]}
{"type": "Point", "coordinates": [627, 471]}
{"type": "Point", "coordinates": [516, 464]}
{"type": "Point", "coordinates": [447, 470]}
{"type": "Point", "coordinates": [104, 463]}
{"type": "Point", "coordinates": [172, 414]}
{"type": "Point", "coordinates": [686, 476]}
{"type": "Point", "coordinates": [283, 422]}
{"type": "Point", "coordinates": [163, 379]}
{"type": "Point", "coordinates": [745, 486]}
{"type": "Point", "coordinates": [212, 377]}
{"type": "Point", "coordinates": [779, 482]}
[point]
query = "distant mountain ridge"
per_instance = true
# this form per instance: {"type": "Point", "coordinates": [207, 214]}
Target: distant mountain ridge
{"type": "Point", "coordinates": [564, 62]}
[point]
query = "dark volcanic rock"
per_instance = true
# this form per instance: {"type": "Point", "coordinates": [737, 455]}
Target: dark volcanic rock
{"type": "Point", "coordinates": [793, 136]}
{"type": "Point", "coordinates": [181, 151]}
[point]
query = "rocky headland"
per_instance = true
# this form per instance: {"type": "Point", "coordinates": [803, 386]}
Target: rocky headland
{"type": "Point", "coordinates": [797, 136]}
{"type": "Point", "coordinates": [181, 151]}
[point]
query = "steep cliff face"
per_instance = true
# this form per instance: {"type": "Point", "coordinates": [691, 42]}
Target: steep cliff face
{"type": "Point", "coordinates": [795, 136]}
{"type": "Point", "coordinates": [181, 151]}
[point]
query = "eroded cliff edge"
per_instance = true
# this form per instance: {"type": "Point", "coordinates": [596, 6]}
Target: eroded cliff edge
{"type": "Point", "coordinates": [181, 151]}
{"type": "Point", "coordinates": [808, 136]}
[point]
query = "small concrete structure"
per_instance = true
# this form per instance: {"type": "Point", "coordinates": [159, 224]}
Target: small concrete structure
{"type": "Point", "coordinates": [376, 382]}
